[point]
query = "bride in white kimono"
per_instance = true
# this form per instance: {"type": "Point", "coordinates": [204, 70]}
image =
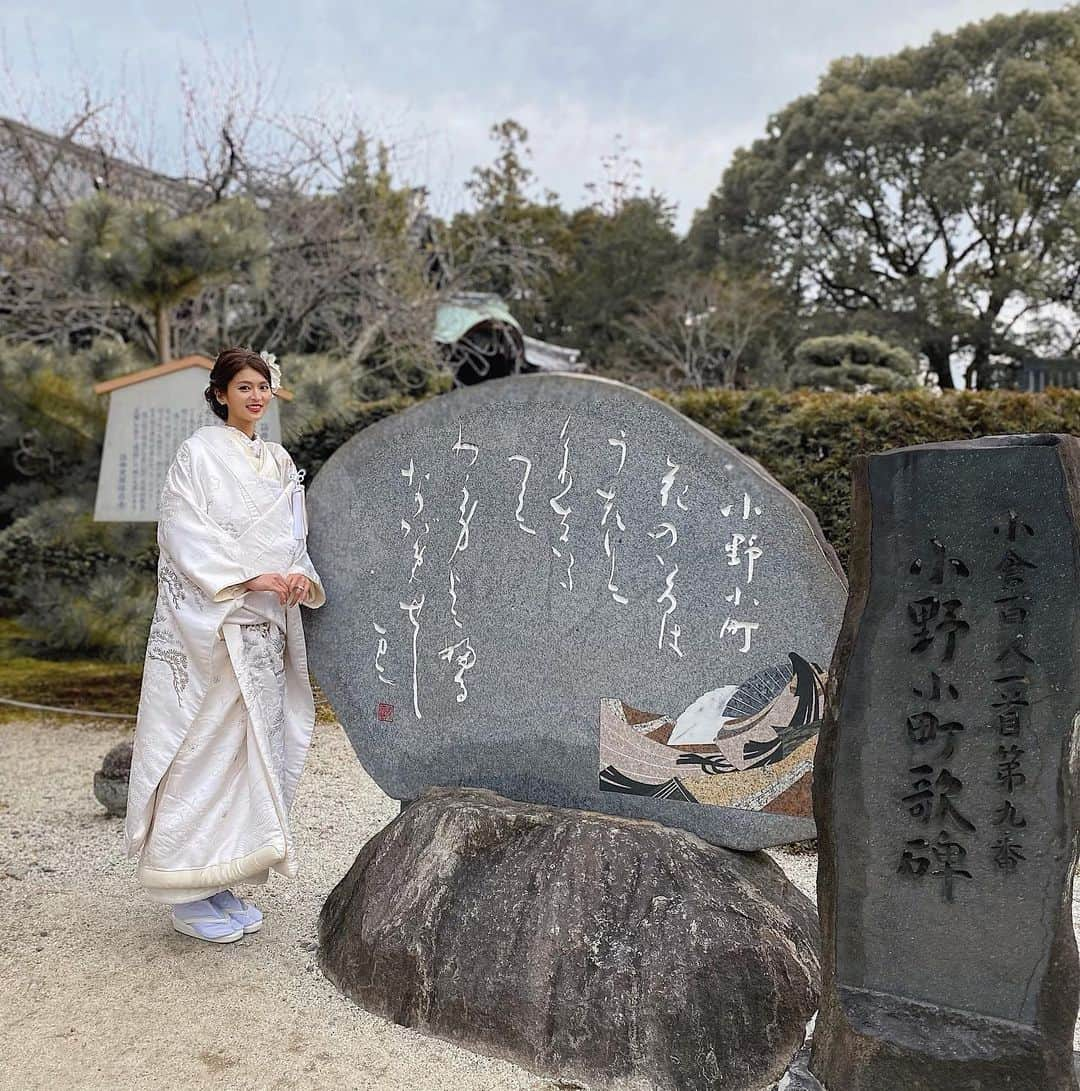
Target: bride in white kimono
{"type": "Point", "coordinates": [226, 712]}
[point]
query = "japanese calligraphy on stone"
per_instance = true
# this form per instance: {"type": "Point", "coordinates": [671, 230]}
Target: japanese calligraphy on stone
{"type": "Point", "coordinates": [530, 578]}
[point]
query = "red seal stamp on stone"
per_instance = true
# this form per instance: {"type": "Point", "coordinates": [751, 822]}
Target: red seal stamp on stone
{"type": "Point", "coordinates": [384, 712]}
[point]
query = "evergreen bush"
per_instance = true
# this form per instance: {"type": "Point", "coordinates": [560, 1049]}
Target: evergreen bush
{"type": "Point", "coordinates": [853, 363]}
{"type": "Point", "coordinates": [80, 587]}
{"type": "Point", "coordinates": [807, 440]}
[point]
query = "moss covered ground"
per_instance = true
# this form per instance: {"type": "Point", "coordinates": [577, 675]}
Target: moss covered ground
{"type": "Point", "coordinates": [77, 683]}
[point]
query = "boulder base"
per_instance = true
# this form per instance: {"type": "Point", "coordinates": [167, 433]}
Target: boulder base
{"type": "Point", "coordinates": [111, 780]}
{"type": "Point", "coordinates": [576, 944]}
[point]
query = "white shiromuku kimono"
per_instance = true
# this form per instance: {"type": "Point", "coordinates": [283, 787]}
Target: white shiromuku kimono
{"type": "Point", "coordinates": [226, 711]}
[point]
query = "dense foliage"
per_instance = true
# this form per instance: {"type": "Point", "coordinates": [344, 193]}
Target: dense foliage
{"type": "Point", "coordinates": [932, 196]}
{"type": "Point", "coordinates": [808, 441]}
{"type": "Point", "coordinates": [854, 363]}
{"type": "Point", "coordinates": [80, 587]}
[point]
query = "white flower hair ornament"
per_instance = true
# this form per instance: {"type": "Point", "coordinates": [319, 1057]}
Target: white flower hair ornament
{"type": "Point", "coordinates": [270, 360]}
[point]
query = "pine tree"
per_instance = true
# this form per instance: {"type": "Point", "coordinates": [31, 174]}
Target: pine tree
{"type": "Point", "coordinates": [140, 253]}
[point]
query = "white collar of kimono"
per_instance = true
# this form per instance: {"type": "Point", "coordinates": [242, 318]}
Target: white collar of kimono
{"type": "Point", "coordinates": [257, 453]}
{"type": "Point", "coordinates": [237, 434]}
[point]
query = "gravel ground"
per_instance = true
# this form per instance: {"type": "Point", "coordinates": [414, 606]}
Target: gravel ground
{"type": "Point", "coordinates": [98, 992]}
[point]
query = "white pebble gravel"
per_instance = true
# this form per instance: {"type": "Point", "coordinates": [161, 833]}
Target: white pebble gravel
{"type": "Point", "coordinates": [98, 992]}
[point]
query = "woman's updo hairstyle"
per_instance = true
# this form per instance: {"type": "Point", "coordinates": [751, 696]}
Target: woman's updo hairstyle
{"type": "Point", "coordinates": [227, 364]}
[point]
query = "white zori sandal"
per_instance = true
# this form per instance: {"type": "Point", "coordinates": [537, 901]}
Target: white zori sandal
{"type": "Point", "coordinates": [240, 912]}
{"type": "Point", "coordinates": [203, 920]}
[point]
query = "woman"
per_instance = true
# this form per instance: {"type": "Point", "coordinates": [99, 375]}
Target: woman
{"type": "Point", "coordinates": [226, 711]}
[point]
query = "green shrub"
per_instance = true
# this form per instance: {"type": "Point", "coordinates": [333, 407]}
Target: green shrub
{"type": "Point", "coordinates": [313, 448]}
{"type": "Point", "coordinates": [323, 394]}
{"type": "Point", "coordinates": [854, 363]}
{"type": "Point", "coordinates": [51, 422]}
{"type": "Point", "coordinates": [330, 393]}
{"type": "Point", "coordinates": [808, 440]}
{"type": "Point", "coordinates": [76, 586]}
{"type": "Point", "coordinates": [107, 617]}
{"type": "Point", "coordinates": [79, 587]}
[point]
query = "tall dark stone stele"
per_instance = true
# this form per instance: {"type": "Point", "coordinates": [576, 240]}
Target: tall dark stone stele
{"type": "Point", "coordinates": [944, 781]}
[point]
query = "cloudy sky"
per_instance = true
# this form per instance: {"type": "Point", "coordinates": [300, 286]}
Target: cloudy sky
{"type": "Point", "coordinates": [683, 83]}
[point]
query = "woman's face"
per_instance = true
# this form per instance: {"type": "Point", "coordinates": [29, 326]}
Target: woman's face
{"type": "Point", "coordinates": [247, 397]}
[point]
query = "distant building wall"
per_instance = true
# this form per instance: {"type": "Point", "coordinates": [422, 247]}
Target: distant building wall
{"type": "Point", "coordinates": [1038, 373]}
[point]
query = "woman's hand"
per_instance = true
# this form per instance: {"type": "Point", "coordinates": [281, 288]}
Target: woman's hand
{"type": "Point", "coordinates": [271, 581]}
{"type": "Point", "coordinates": [301, 589]}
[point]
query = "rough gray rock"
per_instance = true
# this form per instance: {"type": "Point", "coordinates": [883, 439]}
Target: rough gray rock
{"type": "Point", "coordinates": [581, 945]}
{"type": "Point", "coordinates": [111, 780]}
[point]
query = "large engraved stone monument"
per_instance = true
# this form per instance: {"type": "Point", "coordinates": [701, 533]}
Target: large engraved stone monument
{"type": "Point", "coordinates": [945, 788]}
{"type": "Point", "coordinates": [560, 589]}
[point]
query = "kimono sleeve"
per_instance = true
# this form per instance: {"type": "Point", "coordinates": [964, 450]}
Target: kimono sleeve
{"type": "Point", "coordinates": [198, 547]}
{"type": "Point", "coordinates": [303, 561]}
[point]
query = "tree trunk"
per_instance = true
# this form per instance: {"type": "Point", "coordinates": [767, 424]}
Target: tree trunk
{"type": "Point", "coordinates": [978, 371]}
{"type": "Point", "coordinates": [162, 317]}
{"type": "Point", "coordinates": [939, 356]}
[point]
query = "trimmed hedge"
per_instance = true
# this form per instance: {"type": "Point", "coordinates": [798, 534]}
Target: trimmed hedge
{"type": "Point", "coordinates": [87, 589]}
{"type": "Point", "coordinates": [807, 439]}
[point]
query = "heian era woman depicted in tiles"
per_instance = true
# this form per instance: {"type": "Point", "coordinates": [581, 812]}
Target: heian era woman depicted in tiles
{"type": "Point", "coordinates": [749, 745]}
